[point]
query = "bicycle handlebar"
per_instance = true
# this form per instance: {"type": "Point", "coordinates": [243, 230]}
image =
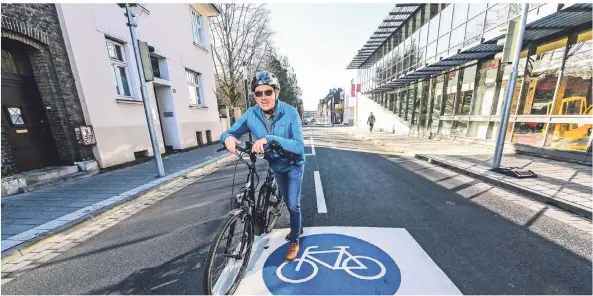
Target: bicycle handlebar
{"type": "Point", "coordinates": [272, 147]}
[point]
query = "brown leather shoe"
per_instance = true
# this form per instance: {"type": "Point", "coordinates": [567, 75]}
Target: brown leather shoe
{"type": "Point", "coordinates": [290, 232]}
{"type": "Point", "coordinates": [292, 252]}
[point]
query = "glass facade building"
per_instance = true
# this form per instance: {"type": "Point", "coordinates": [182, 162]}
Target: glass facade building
{"type": "Point", "coordinates": [435, 66]}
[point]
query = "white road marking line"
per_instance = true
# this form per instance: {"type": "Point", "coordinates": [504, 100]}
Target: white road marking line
{"type": "Point", "coordinates": [163, 284]}
{"type": "Point", "coordinates": [312, 147]}
{"type": "Point", "coordinates": [321, 207]}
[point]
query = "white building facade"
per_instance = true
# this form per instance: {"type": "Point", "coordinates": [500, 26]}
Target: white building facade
{"type": "Point", "coordinates": [183, 105]}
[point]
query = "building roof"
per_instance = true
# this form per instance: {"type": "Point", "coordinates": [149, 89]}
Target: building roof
{"type": "Point", "coordinates": [394, 20]}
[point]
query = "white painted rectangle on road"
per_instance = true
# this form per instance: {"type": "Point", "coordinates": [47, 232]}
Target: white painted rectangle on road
{"type": "Point", "coordinates": [365, 261]}
{"type": "Point", "coordinates": [312, 146]}
{"type": "Point", "coordinates": [321, 207]}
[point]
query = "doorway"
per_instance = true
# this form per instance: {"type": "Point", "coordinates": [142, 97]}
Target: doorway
{"type": "Point", "coordinates": [23, 113]}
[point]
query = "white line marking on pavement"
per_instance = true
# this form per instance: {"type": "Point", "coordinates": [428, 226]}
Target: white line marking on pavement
{"type": "Point", "coordinates": [321, 207]}
{"type": "Point", "coordinates": [312, 147]}
{"type": "Point", "coordinates": [163, 284]}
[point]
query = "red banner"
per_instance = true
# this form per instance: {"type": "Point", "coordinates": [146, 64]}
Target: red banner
{"type": "Point", "coordinates": [358, 87]}
{"type": "Point", "coordinates": [353, 90]}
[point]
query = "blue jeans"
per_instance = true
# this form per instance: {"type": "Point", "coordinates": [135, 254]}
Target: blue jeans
{"type": "Point", "coordinates": [290, 184]}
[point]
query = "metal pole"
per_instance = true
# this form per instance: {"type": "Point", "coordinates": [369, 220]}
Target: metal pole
{"type": "Point", "coordinates": [333, 110]}
{"type": "Point", "coordinates": [146, 103]}
{"type": "Point", "coordinates": [510, 90]}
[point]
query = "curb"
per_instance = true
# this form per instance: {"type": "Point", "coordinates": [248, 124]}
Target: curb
{"type": "Point", "coordinates": [514, 188]}
{"type": "Point", "coordinates": [20, 241]}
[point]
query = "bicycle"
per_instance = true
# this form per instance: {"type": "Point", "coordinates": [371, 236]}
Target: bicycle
{"type": "Point", "coordinates": [308, 258]}
{"type": "Point", "coordinates": [257, 216]}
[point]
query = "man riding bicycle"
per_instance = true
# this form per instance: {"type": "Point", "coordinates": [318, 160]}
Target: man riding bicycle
{"type": "Point", "coordinates": [273, 120]}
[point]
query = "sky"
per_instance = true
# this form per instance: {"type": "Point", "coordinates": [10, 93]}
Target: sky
{"type": "Point", "coordinates": [321, 39]}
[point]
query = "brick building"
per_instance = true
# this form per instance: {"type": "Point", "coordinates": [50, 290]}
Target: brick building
{"type": "Point", "coordinates": [40, 104]}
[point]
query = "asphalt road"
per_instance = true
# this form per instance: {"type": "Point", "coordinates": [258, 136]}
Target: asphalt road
{"type": "Point", "coordinates": [484, 242]}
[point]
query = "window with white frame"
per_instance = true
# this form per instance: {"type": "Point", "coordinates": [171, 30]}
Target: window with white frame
{"type": "Point", "coordinates": [194, 86]}
{"type": "Point", "coordinates": [119, 68]}
{"type": "Point", "coordinates": [197, 28]}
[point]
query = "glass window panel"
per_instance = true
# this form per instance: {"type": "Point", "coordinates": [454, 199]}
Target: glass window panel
{"type": "Point", "coordinates": [424, 100]}
{"type": "Point", "coordinates": [423, 39]}
{"type": "Point", "coordinates": [457, 37]}
{"type": "Point", "coordinates": [402, 103]}
{"type": "Point", "coordinates": [574, 92]}
{"type": "Point", "coordinates": [496, 15]}
{"type": "Point", "coordinates": [16, 116]}
{"type": "Point", "coordinates": [459, 129]}
{"type": "Point", "coordinates": [415, 103]}
{"type": "Point", "coordinates": [569, 136]}
{"type": "Point", "coordinates": [115, 79]}
{"type": "Point", "coordinates": [505, 79]}
{"type": "Point", "coordinates": [438, 97]}
{"type": "Point", "coordinates": [115, 51]}
{"type": "Point", "coordinates": [124, 81]}
{"type": "Point", "coordinates": [445, 127]}
{"type": "Point", "coordinates": [478, 129]}
{"type": "Point", "coordinates": [543, 77]}
{"type": "Point", "coordinates": [431, 50]}
{"type": "Point", "coordinates": [460, 14]}
{"type": "Point", "coordinates": [496, 126]}
{"type": "Point", "coordinates": [421, 57]}
{"type": "Point", "coordinates": [486, 87]}
{"type": "Point", "coordinates": [446, 20]}
{"type": "Point", "coordinates": [467, 89]}
{"type": "Point", "coordinates": [515, 9]}
{"type": "Point", "coordinates": [409, 101]}
{"type": "Point", "coordinates": [443, 44]}
{"type": "Point", "coordinates": [192, 95]}
{"type": "Point", "coordinates": [530, 133]}
{"type": "Point", "coordinates": [434, 29]}
{"type": "Point", "coordinates": [414, 42]}
{"type": "Point", "coordinates": [111, 50]}
{"type": "Point", "coordinates": [474, 29]}
{"type": "Point", "coordinates": [476, 8]}
{"type": "Point", "coordinates": [450, 92]}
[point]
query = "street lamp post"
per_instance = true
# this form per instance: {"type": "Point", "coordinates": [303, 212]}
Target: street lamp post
{"type": "Point", "coordinates": [155, 147]}
{"type": "Point", "coordinates": [506, 107]}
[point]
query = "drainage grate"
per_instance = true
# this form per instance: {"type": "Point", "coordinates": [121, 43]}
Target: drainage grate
{"type": "Point", "coordinates": [516, 172]}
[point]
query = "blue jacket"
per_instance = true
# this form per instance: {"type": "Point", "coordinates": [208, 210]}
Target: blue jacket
{"type": "Point", "coordinates": [286, 129]}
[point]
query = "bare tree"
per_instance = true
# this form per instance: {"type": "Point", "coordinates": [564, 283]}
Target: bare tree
{"type": "Point", "coordinates": [240, 36]}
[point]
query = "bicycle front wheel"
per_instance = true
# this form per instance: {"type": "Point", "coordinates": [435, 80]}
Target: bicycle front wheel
{"type": "Point", "coordinates": [229, 255]}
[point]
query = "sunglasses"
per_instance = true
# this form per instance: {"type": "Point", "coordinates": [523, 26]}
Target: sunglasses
{"type": "Point", "coordinates": [268, 92]}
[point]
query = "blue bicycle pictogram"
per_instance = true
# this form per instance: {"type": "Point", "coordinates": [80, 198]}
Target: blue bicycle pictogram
{"type": "Point", "coordinates": [332, 264]}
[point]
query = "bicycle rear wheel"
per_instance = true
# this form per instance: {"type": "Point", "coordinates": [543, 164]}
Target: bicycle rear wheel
{"type": "Point", "coordinates": [229, 255]}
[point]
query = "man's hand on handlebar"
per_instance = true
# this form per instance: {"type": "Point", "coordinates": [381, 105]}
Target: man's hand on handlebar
{"type": "Point", "coordinates": [231, 144]}
{"type": "Point", "coordinates": [258, 146]}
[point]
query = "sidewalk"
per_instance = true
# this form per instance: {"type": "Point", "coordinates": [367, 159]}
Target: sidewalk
{"type": "Point", "coordinates": [29, 216]}
{"type": "Point", "coordinates": [561, 184]}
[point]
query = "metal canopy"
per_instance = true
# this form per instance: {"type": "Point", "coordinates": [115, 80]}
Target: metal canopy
{"type": "Point", "coordinates": [569, 17]}
{"type": "Point", "coordinates": [392, 23]}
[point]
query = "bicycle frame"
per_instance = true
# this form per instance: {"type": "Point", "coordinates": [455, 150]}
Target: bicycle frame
{"type": "Point", "coordinates": [253, 208]}
{"type": "Point", "coordinates": [337, 265]}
